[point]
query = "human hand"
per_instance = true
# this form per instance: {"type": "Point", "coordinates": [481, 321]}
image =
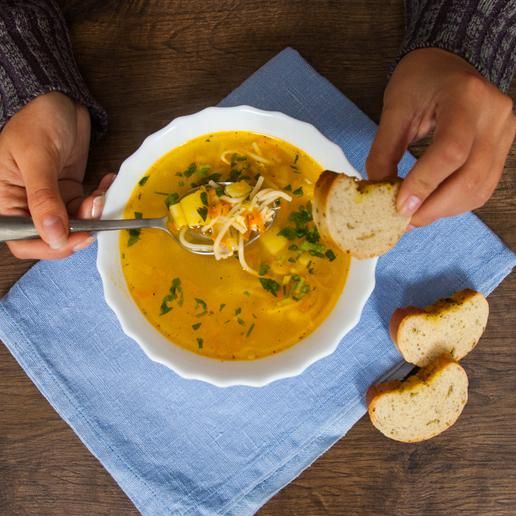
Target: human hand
{"type": "Point", "coordinates": [43, 154]}
{"type": "Point", "coordinates": [473, 129]}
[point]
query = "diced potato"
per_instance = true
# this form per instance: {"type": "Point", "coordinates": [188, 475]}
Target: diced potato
{"type": "Point", "coordinates": [304, 259]}
{"type": "Point", "coordinates": [177, 214]}
{"type": "Point", "coordinates": [273, 242]}
{"type": "Point", "coordinates": [240, 189]}
{"type": "Point", "coordinates": [190, 205]}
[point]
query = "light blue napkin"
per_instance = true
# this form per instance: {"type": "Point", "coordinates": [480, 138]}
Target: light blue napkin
{"type": "Point", "coordinates": [185, 447]}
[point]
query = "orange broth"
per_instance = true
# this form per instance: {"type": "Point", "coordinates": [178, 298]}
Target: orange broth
{"type": "Point", "coordinates": [214, 308]}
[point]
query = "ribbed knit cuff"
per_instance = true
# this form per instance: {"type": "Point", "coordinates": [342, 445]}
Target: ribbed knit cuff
{"type": "Point", "coordinates": [481, 32]}
{"type": "Point", "coordinates": [36, 58]}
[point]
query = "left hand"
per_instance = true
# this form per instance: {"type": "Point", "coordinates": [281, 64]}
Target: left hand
{"type": "Point", "coordinates": [473, 130]}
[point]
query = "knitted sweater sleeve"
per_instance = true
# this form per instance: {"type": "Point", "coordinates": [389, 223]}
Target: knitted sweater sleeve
{"type": "Point", "coordinates": [483, 32]}
{"type": "Point", "coordinates": [36, 58]}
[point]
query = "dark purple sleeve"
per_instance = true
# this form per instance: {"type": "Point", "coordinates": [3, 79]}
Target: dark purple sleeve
{"type": "Point", "coordinates": [36, 58]}
{"type": "Point", "coordinates": [483, 32]}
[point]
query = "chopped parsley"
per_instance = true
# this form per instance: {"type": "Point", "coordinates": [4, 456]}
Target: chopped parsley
{"type": "Point", "coordinates": [202, 304]}
{"type": "Point", "coordinates": [204, 198]}
{"type": "Point", "coordinates": [175, 293]}
{"type": "Point", "coordinates": [196, 326]}
{"type": "Point", "coordinates": [190, 170]}
{"type": "Point", "coordinates": [250, 330]}
{"type": "Point", "coordinates": [219, 191]}
{"type": "Point", "coordinates": [270, 285]}
{"type": "Point", "coordinates": [288, 188]}
{"type": "Point", "coordinates": [298, 192]}
{"type": "Point", "coordinates": [264, 269]}
{"type": "Point", "coordinates": [134, 234]}
{"type": "Point", "coordinates": [241, 322]}
{"type": "Point", "coordinates": [143, 180]}
{"type": "Point", "coordinates": [200, 342]}
{"type": "Point", "coordinates": [221, 307]}
{"type": "Point", "coordinates": [172, 198]}
{"type": "Point", "coordinates": [203, 212]}
{"type": "Point", "coordinates": [238, 311]}
{"type": "Point", "coordinates": [330, 255]}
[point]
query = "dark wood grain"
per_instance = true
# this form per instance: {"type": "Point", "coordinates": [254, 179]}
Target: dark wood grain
{"type": "Point", "coordinates": [148, 61]}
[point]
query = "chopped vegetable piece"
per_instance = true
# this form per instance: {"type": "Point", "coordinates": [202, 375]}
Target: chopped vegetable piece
{"type": "Point", "coordinates": [143, 180]}
{"type": "Point", "coordinates": [330, 255]}
{"type": "Point", "coordinates": [221, 307]}
{"type": "Point", "coordinates": [298, 192]}
{"type": "Point", "coordinates": [204, 198]}
{"type": "Point", "coordinates": [318, 249]}
{"type": "Point", "coordinates": [273, 243]}
{"type": "Point", "coordinates": [175, 293]}
{"type": "Point", "coordinates": [191, 204]}
{"type": "Point", "coordinates": [288, 188]}
{"type": "Point", "coordinates": [241, 322]}
{"type": "Point", "coordinates": [171, 199]}
{"type": "Point", "coordinates": [203, 212]}
{"type": "Point", "coordinates": [264, 269]}
{"type": "Point", "coordinates": [201, 303]}
{"type": "Point", "coordinates": [250, 330]}
{"type": "Point", "coordinates": [178, 216]}
{"type": "Point", "coordinates": [190, 170]}
{"type": "Point", "coordinates": [240, 189]}
{"type": "Point", "coordinates": [238, 311]}
{"type": "Point", "coordinates": [196, 326]}
{"type": "Point", "coordinates": [200, 342]}
{"type": "Point", "coordinates": [270, 285]}
{"type": "Point", "coordinates": [288, 233]}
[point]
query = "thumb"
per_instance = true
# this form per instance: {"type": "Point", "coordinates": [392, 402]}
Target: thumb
{"type": "Point", "coordinates": [40, 169]}
{"type": "Point", "coordinates": [391, 141]}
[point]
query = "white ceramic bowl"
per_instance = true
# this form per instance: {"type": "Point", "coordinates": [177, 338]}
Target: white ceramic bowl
{"type": "Point", "coordinates": [293, 361]}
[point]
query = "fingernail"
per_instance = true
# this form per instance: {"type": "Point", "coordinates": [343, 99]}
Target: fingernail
{"type": "Point", "coordinates": [410, 206]}
{"type": "Point", "coordinates": [97, 206]}
{"type": "Point", "coordinates": [410, 227]}
{"type": "Point", "coordinates": [85, 243]}
{"type": "Point", "coordinates": [55, 232]}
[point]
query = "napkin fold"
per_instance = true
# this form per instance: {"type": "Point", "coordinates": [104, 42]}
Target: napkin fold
{"type": "Point", "coordinates": [184, 447]}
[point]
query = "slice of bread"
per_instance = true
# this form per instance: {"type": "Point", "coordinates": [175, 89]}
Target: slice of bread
{"type": "Point", "coordinates": [453, 325]}
{"type": "Point", "coordinates": [358, 216]}
{"type": "Point", "coordinates": [422, 406]}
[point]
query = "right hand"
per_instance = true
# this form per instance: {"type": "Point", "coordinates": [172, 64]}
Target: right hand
{"type": "Point", "coordinates": [43, 153]}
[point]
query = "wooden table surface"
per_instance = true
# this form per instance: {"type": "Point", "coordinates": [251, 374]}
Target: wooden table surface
{"type": "Point", "coordinates": [148, 62]}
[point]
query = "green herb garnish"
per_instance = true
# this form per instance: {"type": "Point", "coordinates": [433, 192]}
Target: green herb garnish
{"type": "Point", "coordinates": [143, 180]}
{"type": "Point", "coordinates": [219, 191]}
{"type": "Point", "coordinates": [270, 285]}
{"type": "Point", "coordinates": [200, 342]}
{"type": "Point", "coordinates": [313, 249]}
{"type": "Point", "coordinates": [264, 269]}
{"type": "Point", "coordinates": [203, 212]}
{"type": "Point", "coordinates": [288, 188]}
{"type": "Point", "coordinates": [221, 307]}
{"type": "Point", "coordinates": [201, 303]}
{"type": "Point", "coordinates": [196, 326]}
{"type": "Point", "coordinates": [298, 192]}
{"type": "Point", "coordinates": [241, 322]}
{"type": "Point", "coordinates": [330, 255]}
{"type": "Point", "coordinates": [204, 199]}
{"type": "Point", "coordinates": [171, 199]}
{"type": "Point", "coordinates": [175, 293]}
{"type": "Point", "coordinates": [190, 170]}
{"type": "Point", "coordinates": [238, 311]}
{"type": "Point", "coordinates": [288, 233]}
{"type": "Point", "coordinates": [250, 330]}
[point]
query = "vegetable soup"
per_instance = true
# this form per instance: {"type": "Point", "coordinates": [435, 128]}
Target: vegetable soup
{"type": "Point", "coordinates": [246, 301]}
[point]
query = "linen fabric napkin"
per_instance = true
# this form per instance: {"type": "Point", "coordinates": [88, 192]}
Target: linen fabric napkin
{"type": "Point", "coordinates": [184, 447]}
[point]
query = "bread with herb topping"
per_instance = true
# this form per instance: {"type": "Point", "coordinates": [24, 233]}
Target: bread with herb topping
{"type": "Point", "coordinates": [423, 405]}
{"type": "Point", "coordinates": [452, 325]}
{"type": "Point", "coordinates": [358, 216]}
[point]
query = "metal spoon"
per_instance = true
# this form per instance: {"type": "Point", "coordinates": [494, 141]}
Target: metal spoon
{"type": "Point", "coordinates": [22, 228]}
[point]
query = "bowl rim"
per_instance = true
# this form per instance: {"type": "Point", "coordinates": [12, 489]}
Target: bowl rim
{"type": "Point", "coordinates": [256, 373]}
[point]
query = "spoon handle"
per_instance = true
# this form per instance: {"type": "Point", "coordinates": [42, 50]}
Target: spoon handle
{"type": "Point", "coordinates": [22, 228]}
